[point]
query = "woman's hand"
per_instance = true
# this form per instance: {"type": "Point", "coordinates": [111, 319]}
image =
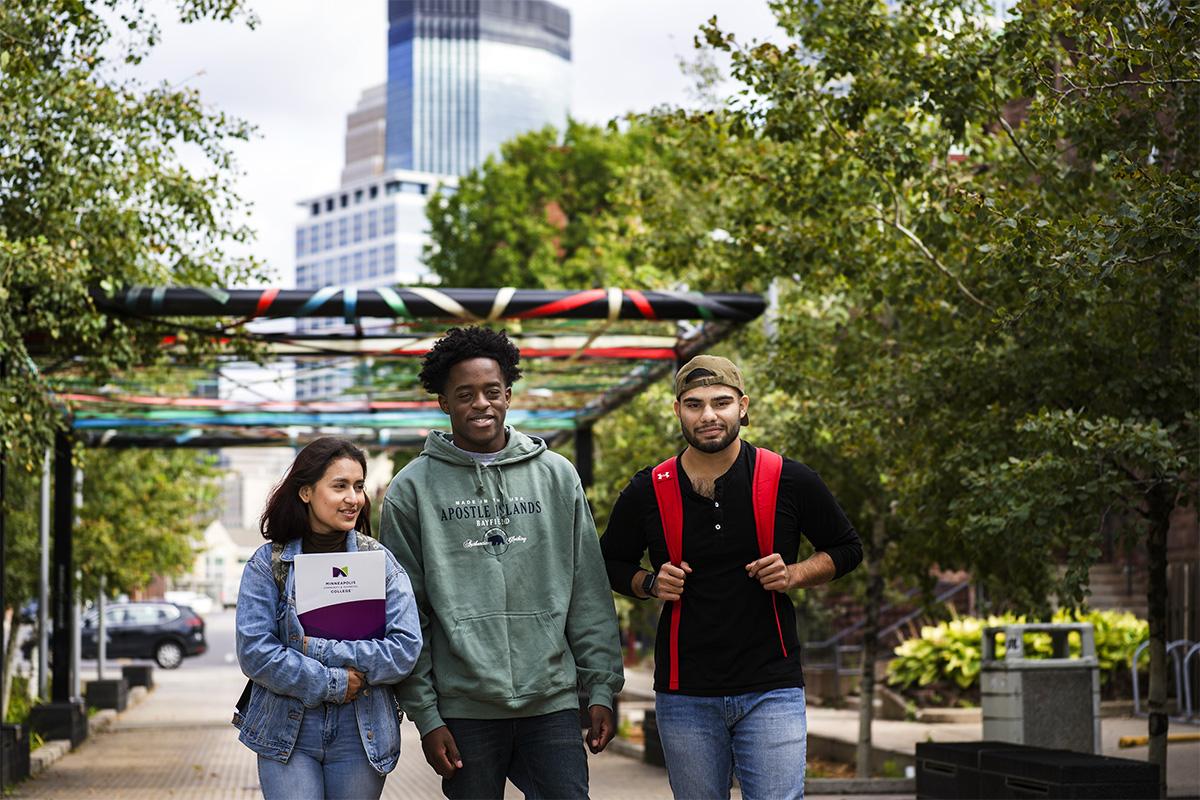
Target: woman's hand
{"type": "Point", "coordinates": [355, 681]}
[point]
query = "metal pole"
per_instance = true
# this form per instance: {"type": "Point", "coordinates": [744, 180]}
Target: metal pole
{"type": "Point", "coordinates": [76, 634]}
{"type": "Point", "coordinates": [585, 453]}
{"type": "Point", "coordinates": [64, 588]}
{"type": "Point", "coordinates": [3, 572]}
{"type": "Point", "coordinates": [101, 646]}
{"type": "Point", "coordinates": [44, 586]}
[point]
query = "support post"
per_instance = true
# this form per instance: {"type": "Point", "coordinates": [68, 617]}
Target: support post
{"type": "Point", "coordinates": [64, 717]}
{"type": "Point", "coordinates": [585, 456]}
{"type": "Point", "coordinates": [64, 570]}
{"type": "Point", "coordinates": [101, 645]}
{"type": "Point", "coordinates": [43, 620]}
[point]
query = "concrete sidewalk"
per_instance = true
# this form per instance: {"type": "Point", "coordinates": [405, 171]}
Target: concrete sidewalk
{"type": "Point", "coordinates": [178, 743]}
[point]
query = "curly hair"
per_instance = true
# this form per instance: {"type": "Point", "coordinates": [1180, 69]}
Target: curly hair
{"type": "Point", "coordinates": [462, 344]}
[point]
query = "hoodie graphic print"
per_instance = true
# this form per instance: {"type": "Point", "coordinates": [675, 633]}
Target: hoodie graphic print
{"type": "Point", "coordinates": [511, 587]}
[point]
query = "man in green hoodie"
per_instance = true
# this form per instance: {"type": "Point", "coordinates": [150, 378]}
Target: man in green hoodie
{"type": "Point", "coordinates": [498, 540]}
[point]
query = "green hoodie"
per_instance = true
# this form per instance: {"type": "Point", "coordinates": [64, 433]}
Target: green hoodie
{"type": "Point", "coordinates": [510, 584]}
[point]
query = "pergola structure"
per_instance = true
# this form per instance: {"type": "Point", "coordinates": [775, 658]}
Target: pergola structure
{"type": "Point", "coordinates": [584, 353]}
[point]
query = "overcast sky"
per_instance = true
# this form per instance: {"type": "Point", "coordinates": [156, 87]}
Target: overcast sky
{"type": "Point", "coordinates": [299, 73]}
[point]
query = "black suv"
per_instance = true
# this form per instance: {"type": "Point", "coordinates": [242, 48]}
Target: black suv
{"type": "Point", "coordinates": [154, 629]}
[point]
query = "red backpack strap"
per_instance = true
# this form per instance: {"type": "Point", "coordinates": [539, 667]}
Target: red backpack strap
{"type": "Point", "coordinates": [768, 466]}
{"type": "Point", "coordinates": [665, 478]}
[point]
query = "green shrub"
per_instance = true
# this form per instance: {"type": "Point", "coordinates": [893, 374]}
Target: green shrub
{"type": "Point", "coordinates": [950, 652]}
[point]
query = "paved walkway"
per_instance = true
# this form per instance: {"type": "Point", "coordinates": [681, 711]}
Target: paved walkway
{"type": "Point", "coordinates": [178, 743]}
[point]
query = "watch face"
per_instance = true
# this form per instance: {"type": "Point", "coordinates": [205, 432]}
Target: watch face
{"type": "Point", "coordinates": [648, 585]}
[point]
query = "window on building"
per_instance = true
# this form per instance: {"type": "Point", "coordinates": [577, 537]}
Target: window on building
{"type": "Point", "coordinates": [345, 200]}
{"type": "Point", "coordinates": [373, 192]}
{"type": "Point", "coordinates": [373, 223]}
{"type": "Point", "coordinates": [327, 235]}
{"type": "Point", "coordinates": [389, 220]}
{"type": "Point", "coordinates": [357, 228]}
{"type": "Point", "coordinates": [392, 187]}
{"type": "Point", "coordinates": [358, 195]}
{"type": "Point", "coordinates": [315, 208]}
{"type": "Point", "coordinates": [299, 242]}
{"type": "Point", "coordinates": [329, 204]}
{"type": "Point", "coordinates": [343, 235]}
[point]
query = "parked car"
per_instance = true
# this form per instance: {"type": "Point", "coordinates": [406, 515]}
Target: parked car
{"type": "Point", "coordinates": [166, 632]}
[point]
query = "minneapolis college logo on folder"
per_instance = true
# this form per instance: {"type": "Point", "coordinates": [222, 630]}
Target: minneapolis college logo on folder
{"type": "Point", "coordinates": [341, 595]}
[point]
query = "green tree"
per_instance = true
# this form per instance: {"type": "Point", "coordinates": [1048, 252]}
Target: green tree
{"type": "Point", "coordinates": [983, 237]}
{"type": "Point", "coordinates": [540, 215]}
{"type": "Point", "coordinates": [94, 193]}
{"type": "Point", "coordinates": [143, 516]}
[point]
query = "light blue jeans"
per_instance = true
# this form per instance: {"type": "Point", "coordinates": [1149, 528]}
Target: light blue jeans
{"type": "Point", "coordinates": [328, 762]}
{"type": "Point", "coordinates": [760, 736]}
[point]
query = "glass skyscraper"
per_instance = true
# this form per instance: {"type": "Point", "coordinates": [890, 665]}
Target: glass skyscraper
{"type": "Point", "coordinates": [465, 75]}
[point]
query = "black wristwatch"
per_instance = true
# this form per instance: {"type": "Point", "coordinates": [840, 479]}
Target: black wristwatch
{"type": "Point", "coordinates": [648, 584]}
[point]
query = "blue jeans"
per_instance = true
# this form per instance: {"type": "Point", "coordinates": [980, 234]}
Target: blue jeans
{"type": "Point", "coordinates": [543, 756]}
{"type": "Point", "coordinates": [328, 762]}
{"type": "Point", "coordinates": [760, 736]}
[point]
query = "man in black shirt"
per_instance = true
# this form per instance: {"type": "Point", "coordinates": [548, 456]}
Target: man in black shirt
{"type": "Point", "coordinates": [729, 689]}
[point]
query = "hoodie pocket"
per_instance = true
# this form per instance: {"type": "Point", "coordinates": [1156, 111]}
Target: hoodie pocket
{"type": "Point", "coordinates": [505, 655]}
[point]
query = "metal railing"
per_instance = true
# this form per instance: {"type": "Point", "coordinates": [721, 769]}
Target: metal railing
{"type": "Point", "coordinates": [1183, 680]}
{"type": "Point", "coordinates": [833, 644]}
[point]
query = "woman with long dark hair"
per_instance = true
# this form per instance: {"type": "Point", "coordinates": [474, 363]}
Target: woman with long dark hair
{"type": "Point", "coordinates": [321, 715]}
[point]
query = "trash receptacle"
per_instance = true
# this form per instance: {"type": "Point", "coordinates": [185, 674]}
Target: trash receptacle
{"type": "Point", "coordinates": [1046, 702]}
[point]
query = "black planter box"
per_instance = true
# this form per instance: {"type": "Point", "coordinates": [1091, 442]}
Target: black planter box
{"type": "Point", "coordinates": [1007, 770]}
{"type": "Point", "coordinates": [14, 754]}
{"type": "Point", "coordinates": [138, 675]}
{"type": "Point", "coordinates": [1065, 774]}
{"type": "Point", "coordinates": [950, 770]}
{"type": "Point", "coordinates": [60, 721]}
{"type": "Point", "coordinates": [112, 694]}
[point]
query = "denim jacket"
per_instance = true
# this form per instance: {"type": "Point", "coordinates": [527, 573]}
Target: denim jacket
{"type": "Point", "coordinates": [286, 680]}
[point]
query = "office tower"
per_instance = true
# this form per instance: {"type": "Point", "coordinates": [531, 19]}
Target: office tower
{"type": "Point", "coordinates": [465, 75]}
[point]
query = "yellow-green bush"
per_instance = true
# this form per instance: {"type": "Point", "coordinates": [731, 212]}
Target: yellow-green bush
{"type": "Point", "coordinates": [951, 651]}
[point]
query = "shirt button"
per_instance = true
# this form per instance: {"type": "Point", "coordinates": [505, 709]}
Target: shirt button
{"type": "Point", "coordinates": [717, 526]}
{"type": "Point", "coordinates": [716, 505]}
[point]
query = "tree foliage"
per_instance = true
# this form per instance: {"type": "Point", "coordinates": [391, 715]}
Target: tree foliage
{"type": "Point", "coordinates": [540, 216]}
{"type": "Point", "coordinates": [94, 192]}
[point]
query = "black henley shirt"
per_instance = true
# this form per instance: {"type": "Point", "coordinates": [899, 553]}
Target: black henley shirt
{"type": "Point", "coordinates": [728, 642]}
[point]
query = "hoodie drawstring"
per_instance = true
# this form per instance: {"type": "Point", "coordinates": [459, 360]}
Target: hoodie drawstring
{"type": "Point", "coordinates": [478, 478]}
{"type": "Point", "coordinates": [503, 485]}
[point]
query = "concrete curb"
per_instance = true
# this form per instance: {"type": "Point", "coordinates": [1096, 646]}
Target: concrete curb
{"type": "Point", "coordinates": [47, 754]}
{"type": "Point", "coordinates": [41, 759]}
{"type": "Point", "coordinates": [875, 786]}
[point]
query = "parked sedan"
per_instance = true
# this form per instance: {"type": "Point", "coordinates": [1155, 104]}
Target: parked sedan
{"type": "Point", "coordinates": [166, 632]}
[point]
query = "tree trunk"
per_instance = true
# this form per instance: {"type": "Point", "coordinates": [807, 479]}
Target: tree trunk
{"type": "Point", "coordinates": [873, 552]}
{"type": "Point", "coordinates": [1161, 506]}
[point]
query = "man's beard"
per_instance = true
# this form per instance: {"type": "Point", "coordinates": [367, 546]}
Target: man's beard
{"type": "Point", "coordinates": [712, 445]}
